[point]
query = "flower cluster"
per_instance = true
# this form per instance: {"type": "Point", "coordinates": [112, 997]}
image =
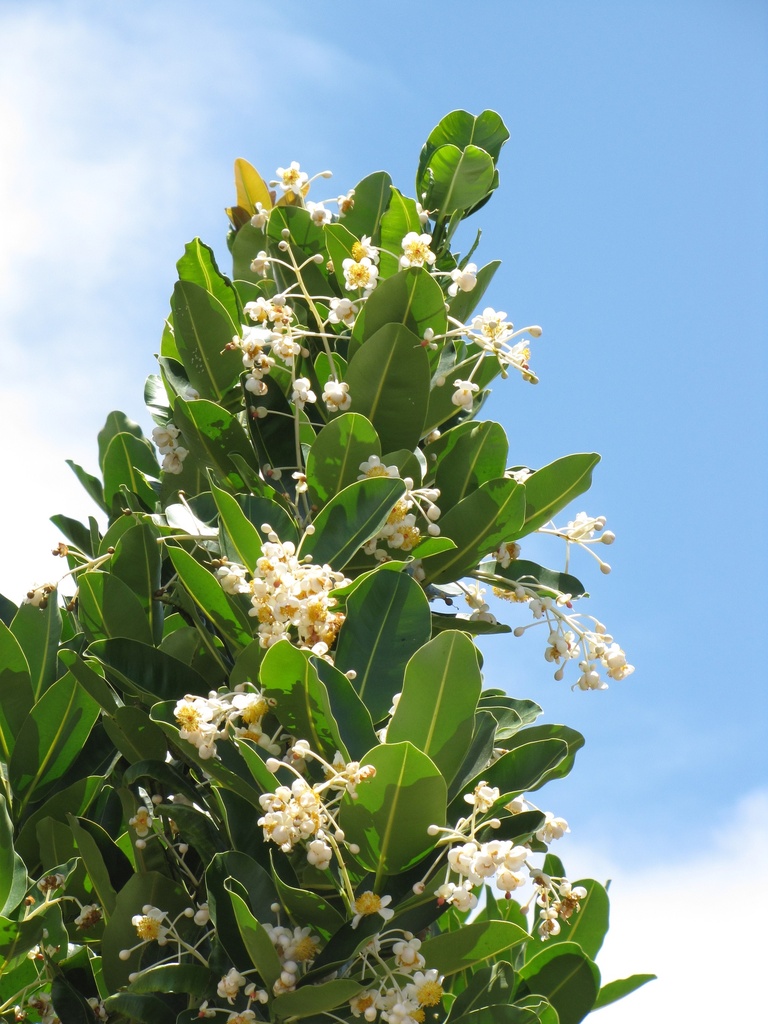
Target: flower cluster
{"type": "Point", "coordinates": [402, 532]}
{"type": "Point", "coordinates": [400, 1001]}
{"type": "Point", "coordinates": [167, 440]}
{"type": "Point", "coordinates": [290, 597]}
{"type": "Point", "coordinates": [204, 720]}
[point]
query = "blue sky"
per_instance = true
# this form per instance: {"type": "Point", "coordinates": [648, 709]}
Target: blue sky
{"type": "Point", "coordinates": [631, 221]}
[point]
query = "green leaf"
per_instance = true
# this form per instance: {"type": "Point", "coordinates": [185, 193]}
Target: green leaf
{"type": "Point", "coordinates": [135, 735]}
{"type": "Point", "coordinates": [547, 582]}
{"type": "Point", "coordinates": [622, 987]}
{"type": "Point", "coordinates": [95, 866]}
{"type": "Point", "coordinates": [472, 944]}
{"type": "Point", "coordinates": [436, 710]}
{"type": "Point", "coordinates": [525, 767]}
{"type": "Point", "coordinates": [108, 608]}
{"type": "Point", "coordinates": [74, 799]}
{"type": "Point", "coordinates": [350, 519]}
{"type": "Point", "coordinates": [248, 877]}
{"type": "Point", "coordinates": [207, 594]}
{"type": "Point", "coordinates": [573, 739]}
{"type": "Point", "coordinates": [307, 907]}
{"type": "Point", "coordinates": [315, 999]}
{"type": "Point", "coordinates": [117, 423]}
{"type": "Point", "coordinates": [351, 714]}
{"type": "Point", "coordinates": [387, 621]}
{"type": "Point", "coordinates": [128, 460]}
{"type": "Point", "coordinates": [94, 682]}
{"type": "Point", "coordinates": [75, 532]}
{"type": "Point", "coordinates": [143, 671]}
{"type": "Point", "coordinates": [190, 979]}
{"type": "Point", "coordinates": [400, 218]}
{"type": "Point", "coordinates": [588, 927]}
{"type": "Point", "coordinates": [17, 938]}
{"type": "Point", "coordinates": [91, 484]}
{"type": "Point", "coordinates": [501, 1013]}
{"type": "Point", "coordinates": [393, 810]}
{"type": "Point", "coordinates": [372, 197]}
{"type": "Point", "coordinates": [16, 696]}
{"type": "Point", "coordinates": [38, 631]}
{"type": "Point", "coordinates": [463, 304]}
{"type": "Point", "coordinates": [486, 987]}
{"type": "Point", "coordinates": [477, 525]}
{"type": "Point", "coordinates": [455, 180]}
{"type": "Point", "coordinates": [410, 297]}
{"type": "Point", "coordinates": [137, 563]}
{"type": "Point", "coordinates": [13, 873]}
{"type": "Point", "coordinates": [143, 1009]}
{"type": "Point", "coordinates": [213, 436]}
{"type": "Point", "coordinates": [478, 455]}
{"type": "Point", "coordinates": [340, 242]}
{"type": "Point", "coordinates": [257, 943]}
{"type": "Point", "coordinates": [243, 536]}
{"type": "Point", "coordinates": [388, 381]}
{"type": "Point", "coordinates": [248, 242]}
{"type": "Point", "coordinates": [566, 977]}
{"type": "Point", "coordinates": [51, 738]}
{"type": "Point", "coordinates": [552, 487]}
{"type": "Point", "coordinates": [460, 128]}
{"type": "Point", "coordinates": [70, 1006]}
{"type": "Point", "coordinates": [198, 265]}
{"type": "Point", "coordinates": [334, 459]}
{"type": "Point", "coordinates": [203, 327]}
{"type": "Point", "coordinates": [302, 706]}
{"type": "Point", "coordinates": [441, 407]}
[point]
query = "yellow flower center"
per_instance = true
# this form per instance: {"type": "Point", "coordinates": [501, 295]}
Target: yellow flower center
{"type": "Point", "coordinates": [416, 251]}
{"type": "Point", "coordinates": [430, 993]}
{"type": "Point", "coordinates": [306, 949]}
{"type": "Point", "coordinates": [358, 275]}
{"type": "Point", "coordinates": [368, 903]}
{"type": "Point", "coordinates": [398, 513]}
{"type": "Point", "coordinates": [358, 251]}
{"type": "Point", "coordinates": [376, 471]}
{"type": "Point", "coordinates": [417, 1015]}
{"type": "Point", "coordinates": [147, 928]}
{"type": "Point", "coordinates": [411, 537]}
{"type": "Point", "coordinates": [291, 176]}
{"type": "Point", "coordinates": [188, 718]}
{"type": "Point", "coordinates": [254, 711]}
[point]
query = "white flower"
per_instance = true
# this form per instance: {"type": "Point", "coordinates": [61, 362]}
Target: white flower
{"type": "Point", "coordinates": [149, 925]}
{"type": "Point", "coordinates": [336, 397]}
{"type": "Point", "coordinates": [365, 248]}
{"type": "Point", "coordinates": [302, 392]}
{"type": "Point", "coordinates": [318, 213]}
{"type": "Point", "coordinates": [346, 202]}
{"type": "Point", "coordinates": [343, 311]}
{"type": "Point", "coordinates": [553, 828]}
{"type": "Point", "coordinates": [291, 179]}
{"type": "Point", "coordinates": [319, 854]}
{"type": "Point", "coordinates": [464, 394]}
{"type": "Point", "coordinates": [360, 274]}
{"type": "Point", "coordinates": [423, 214]}
{"type": "Point", "coordinates": [230, 985]}
{"type": "Point", "coordinates": [172, 462]}
{"type": "Point", "coordinates": [260, 263]}
{"type": "Point", "coordinates": [373, 466]}
{"type": "Point", "coordinates": [141, 822]}
{"type": "Point", "coordinates": [463, 280]}
{"type": "Point", "coordinates": [232, 578]}
{"type": "Point", "coordinates": [407, 955]}
{"type": "Point", "coordinates": [416, 251]}
{"type": "Point", "coordinates": [368, 903]}
{"type": "Point", "coordinates": [260, 218]}
{"type": "Point", "coordinates": [165, 438]}
{"type": "Point", "coordinates": [483, 797]}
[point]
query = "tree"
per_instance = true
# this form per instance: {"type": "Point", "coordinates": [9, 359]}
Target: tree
{"type": "Point", "coordinates": [249, 764]}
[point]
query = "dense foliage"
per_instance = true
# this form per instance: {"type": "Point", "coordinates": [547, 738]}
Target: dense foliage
{"type": "Point", "coordinates": [249, 765]}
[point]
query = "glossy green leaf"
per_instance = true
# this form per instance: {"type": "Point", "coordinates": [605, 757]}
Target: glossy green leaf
{"type": "Point", "coordinates": [566, 977]}
{"type": "Point", "coordinates": [479, 455]}
{"type": "Point", "coordinates": [198, 265]}
{"type": "Point", "coordinates": [525, 767]}
{"type": "Point", "coordinates": [248, 242]}
{"type": "Point", "coordinates": [206, 592]}
{"type": "Point", "coordinates": [400, 217]}
{"type": "Point", "coordinates": [13, 873]}
{"type": "Point", "coordinates": [190, 979]}
{"type": "Point", "coordinates": [388, 619]}
{"type": "Point", "coordinates": [18, 937]}
{"type": "Point", "coordinates": [552, 487]}
{"type": "Point", "coordinates": [455, 180]}
{"type": "Point", "coordinates": [573, 739]}
{"type": "Point", "coordinates": [91, 484]}
{"type": "Point", "coordinates": [388, 381]}
{"type": "Point", "coordinates": [73, 799]}
{"type": "Point", "coordinates": [69, 1004]}
{"type": "Point", "coordinates": [340, 242]}
{"type": "Point", "coordinates": [116, 423]}
{"type": "Point", "coordinates": [441, 408]}
{"type": "Point", "coordinates": [488, 986]}
{"type": "Point", "coordinates": [137, 562]}
{"type": "Point", "coordinates": [75, 532]}
{"type": "Point", "coordinates": [437, 706]}
{"type": "Point", "coordinates": [203, 327]}
{"type": "Point", "coordinates": [477, 525]}
{"type": "Point", "coordinates": [478, 753]}
{"type": "Point", "coordinates": [108, 608]}
{"type": "Point", "coordinates": [95, 865]}
{"type": "Point", "coordinates": [289, 678]}
{"type": "Point", "coordinates": [142, 671]}
{"type": "Point", "coordinates": [316, 999]}
{"type": "Point", "coordinates": [372, 197]}
{"type": "Point", "coordinates": [393, 810]}
{"type": "Point", "coordinates": [16, 696]}
{"type": "Point", "coordinates": [307, 907]}
{"type": "Point", "coordinates": [460, 128]}
{"type": "Point", "coordinates": [243, 536]}
{"type": "Point", "coordinates": [463, 304]}
{"type": "Point", "coordinates": [212, 436]}
{"type": "Point", "coordinates": [91, 676]}
{"type": "Point", "coordinates": [249, 878]}
{"type": "Point", "coordinates": [588, 927]}
{"type": "Point", "coordinates": [410, 297]}
{"type": "Point", "coordinates": [38, 631]}
{"type": "Point", "coordinates": [257, 943]}
{"type": "Point", "coordinates": [128, 461]}
{"type": "Point", "coordinates": [135, 735]}
{"type": "Point", "coordinates": [350, 519]}
{"type": "Point", "coordinates": [334, 459]}
{"type": "Point", "coordinates": [142, 1009]}
{"type": "Point", "coordinates": [546, 582]}
{"type": "Point", "coordinates": [350, 713]}
{"type": "Point", "coordinates": [51, 738]}
{"type": "Point", "coordinates": [615, 990]}
{"type": "Point", "coordinates": [472, 944]}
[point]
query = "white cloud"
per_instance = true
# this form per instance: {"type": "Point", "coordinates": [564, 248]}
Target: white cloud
{"type": "Point", "coordinates": [690, 917]}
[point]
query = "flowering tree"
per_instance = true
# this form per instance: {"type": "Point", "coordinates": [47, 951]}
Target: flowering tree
{"type": "Point", "coordinates": [249, 765]}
